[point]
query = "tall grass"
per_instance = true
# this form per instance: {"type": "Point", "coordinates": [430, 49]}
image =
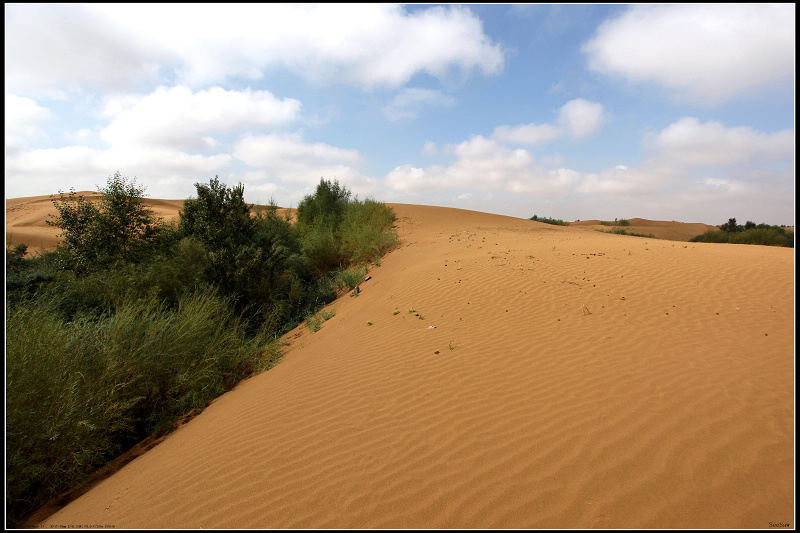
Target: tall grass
{"type": "Point", "coordinates": [366, 231]}
{"type": "Point", "coordinates": [80, 392]}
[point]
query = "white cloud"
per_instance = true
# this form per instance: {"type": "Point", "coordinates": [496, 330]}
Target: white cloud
{"type": "Point", "coordinates": [266, 150]}
{"type": "Point", "coordinates": [531, 134]}
{"type": "Point", "coordinates": [708, 168]}
{"type": "Point", "coordinates": [684, 165]}
{"type": "Point", "coordinates": [687, 142]}
{"type": "Point", "coordinates": [555, 160]}
{"type": "Point", "coordinates": [43, 171]}
{"type": "Point", "coordinates": [289, 158]}
{"type": "Point", "coordinates": [429, 148]}
{"type": "Point", "coordinates": [484, 164]}
{"type": "Point", "coordinates": [23, 117]}
{"type": "Point", "coordinates": [578, 118]}
{"type": "Point", "coordinates": [581, 117]}
{"type": "Point", "coordinates": [706, 53]}
{"type": "Point", "coordinates": [409, 103]}
{"type": "Point", "coordinates": [176, 117]}
{"type": "Point", "coordinates": [68, 47]}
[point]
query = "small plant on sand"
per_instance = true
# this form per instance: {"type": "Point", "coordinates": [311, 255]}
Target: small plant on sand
{"type": "Point", "coordinates": [451, 346]}
{"type": "Point", "coordinates": [314, 322]}
{"type": "Point", "coordinates": [585, 310]}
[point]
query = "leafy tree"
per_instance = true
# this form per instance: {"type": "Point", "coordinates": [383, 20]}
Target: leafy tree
{"type": "Point", "coordinates": [730, 226]}
{"type": "Point", "coordinates": [219, 217]}
{"type": "Point", "coordinates": [249, 258]}
{"type": "Point", "coordinates": [324, 208]}
{"type": "Point", "coordinates": [118, 227]}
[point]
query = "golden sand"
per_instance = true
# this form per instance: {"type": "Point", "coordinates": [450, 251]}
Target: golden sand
{"type": "Point", "coordinates": [548, 377]}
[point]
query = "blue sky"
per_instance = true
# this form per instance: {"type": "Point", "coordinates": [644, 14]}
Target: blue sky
{"type": "Point", "coordinates": [667, 112]}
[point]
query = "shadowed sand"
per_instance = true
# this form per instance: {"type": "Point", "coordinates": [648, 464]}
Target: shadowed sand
{"type": "Point", "coordinates": [594, 381]}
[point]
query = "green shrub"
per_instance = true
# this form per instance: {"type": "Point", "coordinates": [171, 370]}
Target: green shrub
{"type": "Point", "coordinates": [711, 235]}
{"type": "Point", "coordinates": [554, 221]}
{"type": "Point", "coordinates": [366, 232]}
{"type": "Point", "coordinates": [762, 236]}
{"type": "Point", "coordinates": [324, 208]}
{"type": "Point", "coordinates": [621, 222]}
{"type": "Point", "coordinates": [79, 392]}
{"type": "Point", "coordinates": [750, 233]}
{"type": "Point", "coordinates": [117, 228]}
{"type": "Point", "coordinates": [623, 231]}
{"type": "Point", "coordinates": [337, 230]}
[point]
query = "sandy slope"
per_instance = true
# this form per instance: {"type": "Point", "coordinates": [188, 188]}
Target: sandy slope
{"type": "Point", "coordinates": [594, 380]}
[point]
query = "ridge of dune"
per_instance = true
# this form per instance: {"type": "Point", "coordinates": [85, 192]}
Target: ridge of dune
{"type": "Point", "coordinates": [497, 372]}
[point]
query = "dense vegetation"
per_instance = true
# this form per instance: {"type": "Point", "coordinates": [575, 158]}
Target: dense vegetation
{"type": "Point", "coordinates": [750, 233]}
{"type": "Point", "coordinates": [554, 221]}
{"type": "Point", "coordinates": [131, 322]}
{"type": "Point", "coordinates": [623, 231]}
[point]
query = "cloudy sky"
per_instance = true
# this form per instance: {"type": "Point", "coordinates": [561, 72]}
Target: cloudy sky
{"type": "Point", "coordinates": [667, 112]}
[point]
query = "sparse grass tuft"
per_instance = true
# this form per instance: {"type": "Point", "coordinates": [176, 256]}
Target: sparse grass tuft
{"type": "Point", "coordinates": [314, 321]}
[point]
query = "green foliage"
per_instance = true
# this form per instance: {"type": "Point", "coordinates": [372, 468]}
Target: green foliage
{"type": "Point", "coordinates": [366, 231]}
{"type": "Point", "coordinates": [80, 392]}
{"type": "Point", "coordinates": [132, 322]}
{"type": "Point", "coordinates": [554, 221]}
{"type": "Point", "coordinates": [314, 320]}
{"type": "Point", "coordinates": [218, 217]}
{"type": "Point", "coordinates": [324, 208]}
{"type": "Point", "coordinates": [623, 231]}
{"type": "Point", "coordinates": [621, 222]}
{"type": "Point", "coordinates": [750, 233]}
{"type": "Point", "coordinates": [730, 226]}
{"type": "Point", "coordinates": [250, 258]}
{"type": "Point", "coordinates": [762, 236]}
{"type": "Point", "coordinates": [337, 230]}
{"type": "Point", "coordinates": [118, 227]}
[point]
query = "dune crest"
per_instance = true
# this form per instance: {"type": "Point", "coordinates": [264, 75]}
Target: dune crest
{"type": "Point", "coordinates": [497, 372]}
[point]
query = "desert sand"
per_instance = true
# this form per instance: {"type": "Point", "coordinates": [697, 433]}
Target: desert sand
{"type": "Point", "coordinates": [548, 377]}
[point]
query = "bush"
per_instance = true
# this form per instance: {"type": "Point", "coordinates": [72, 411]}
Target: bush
{"type": "Point", "coordinates": [324, 208]}
{"type": "Point", "coordinates": [119, 227]}
{"type": "Point", "coordinates": [80, 392]}
{"type": "Point", "coordinates": [337, 231]}
{"type": "Point", "coordinates": [711, 235]}
{"type": "Point", "coordinates": [249, 258]}
{"type": "Point", "coordinates": [366, 232]}
{"type": "Point", "coordinates": [750, 233]}
{"type": "Point", "coordinates": [622, 222]}
{"type": "Point", "coordinates": [554, 221]}
{"type": "Point", "coordinates": [762, 236]}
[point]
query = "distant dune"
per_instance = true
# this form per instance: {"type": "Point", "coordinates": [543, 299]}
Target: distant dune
{"type": "Point", "coordinates": [676, 231]}
{"type": "Point", "coordinates": [497, 372]}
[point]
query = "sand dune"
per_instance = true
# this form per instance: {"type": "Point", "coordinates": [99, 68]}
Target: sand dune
{"type": "Point", "coordinates": [676, 231]}
{"type": "Point", "coordinates": [554, 378]}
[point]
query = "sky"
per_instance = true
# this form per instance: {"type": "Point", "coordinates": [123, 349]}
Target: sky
{"type": "Point", "coordinates": [577, 112]}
